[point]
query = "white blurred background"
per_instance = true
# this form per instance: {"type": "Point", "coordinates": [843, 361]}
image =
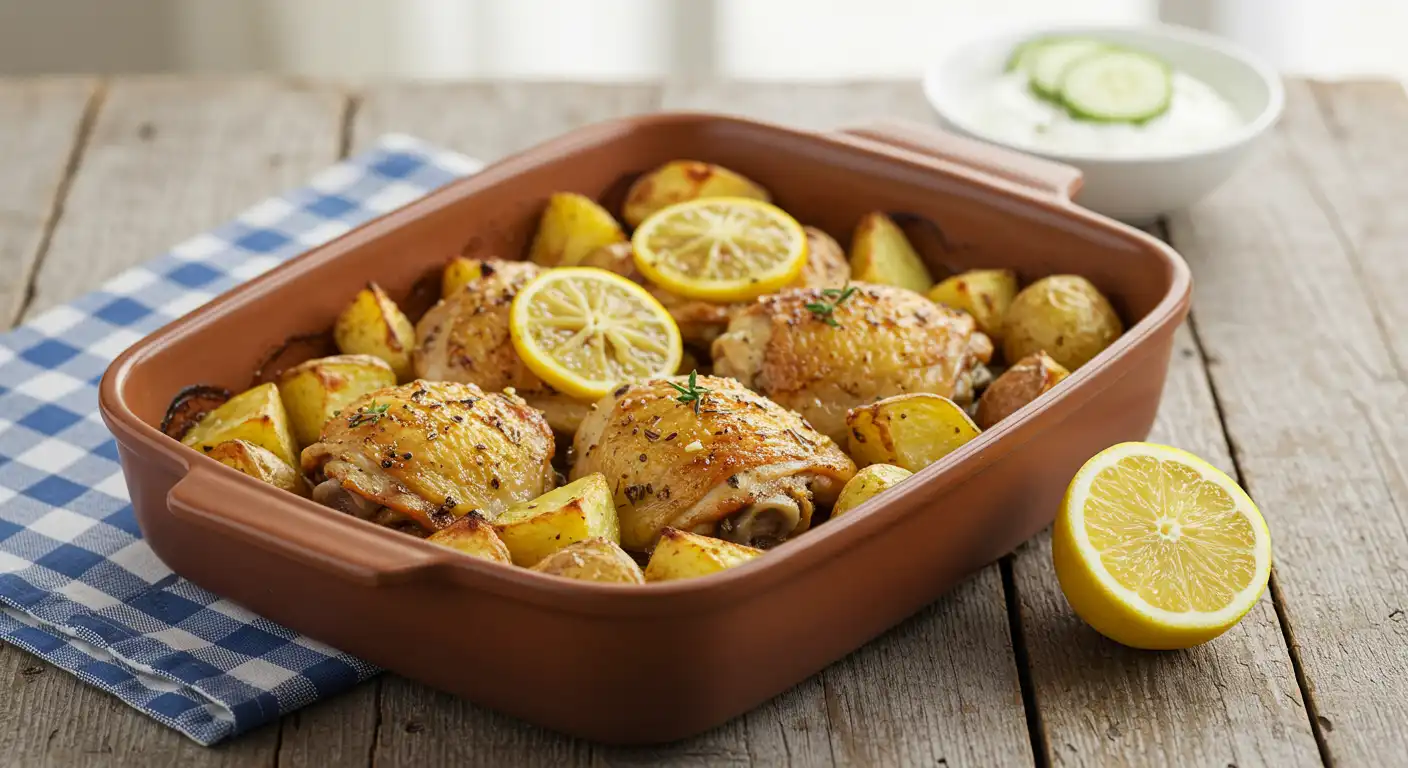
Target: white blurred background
{"type": "Point", "coordinates": [638, 39]}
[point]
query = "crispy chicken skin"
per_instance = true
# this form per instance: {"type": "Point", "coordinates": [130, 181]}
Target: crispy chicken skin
{"type": "Point", "coordinates": [743, 469]}
{"type": "Point", "coordinates": [886, 341]}
{"type": "Point", "coordinates": [466, 338]}
{"type": "Point", "coordinates": [430, 452]}
{"type": "Point", "coordinates": [701, 322]}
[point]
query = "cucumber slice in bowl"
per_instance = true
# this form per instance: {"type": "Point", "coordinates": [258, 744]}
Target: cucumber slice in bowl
{"type": "Point", "coordinates": [1046, 64]}
{"type": "Point", "coordinates": [1116, 86]}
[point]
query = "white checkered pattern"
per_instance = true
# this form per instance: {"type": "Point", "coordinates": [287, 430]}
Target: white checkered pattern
{"type": "Point", "coordinates": [78, 586]}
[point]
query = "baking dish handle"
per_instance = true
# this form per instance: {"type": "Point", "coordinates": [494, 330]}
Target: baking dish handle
{"type": "Point", "coordinates": [1046, 177]}
{"type": "Point", "coordinates": [239, 511]}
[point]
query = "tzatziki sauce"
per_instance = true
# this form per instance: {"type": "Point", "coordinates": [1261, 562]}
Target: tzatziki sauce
{"type": "Point", "coordinates": [1197, 117]}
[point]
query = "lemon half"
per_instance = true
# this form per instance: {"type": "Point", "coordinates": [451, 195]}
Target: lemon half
{"type": "Point", "coordinates": [720, 249]}
{"type": "Point", "coordinates": [585, 330]}
{"type": "Point", "coordinates": [1155, 548]}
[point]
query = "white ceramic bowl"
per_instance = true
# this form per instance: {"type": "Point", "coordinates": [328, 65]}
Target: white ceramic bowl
{"type": "Point", "coordinates": [1135, 188]}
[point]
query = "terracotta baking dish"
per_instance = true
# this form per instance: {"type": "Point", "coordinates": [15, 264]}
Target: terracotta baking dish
{"type": "Point", "coordinates": [659, 662]}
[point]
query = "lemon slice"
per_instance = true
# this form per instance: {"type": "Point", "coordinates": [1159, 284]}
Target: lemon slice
{"type": "Point", "coordinates": [1156, 548]}
{"type": "Point", "coordinates": [720, 248]}
{"type": "Point", "coordinates": [584, 330]}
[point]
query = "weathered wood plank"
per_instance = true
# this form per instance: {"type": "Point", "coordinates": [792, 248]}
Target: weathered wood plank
{"type": "Point", "coordinates": [1314, 408]}
{"type": "Point", "coordinates": [817, 107]}
{"type": "Point", "coordinates": [1233, 701]}
{"type": "Point", "coordinates": [169, 158]}
{"type": "Point", "coordinates": [165, 159]}
{"type": "Point", "coordinates": [40, 123]}
{"type": "Point", "coordinates": [1359, 165]}
{"type": "Point", "coordinates": [337, 733]}
{"type": "Point", "coordinates": [490, 120]}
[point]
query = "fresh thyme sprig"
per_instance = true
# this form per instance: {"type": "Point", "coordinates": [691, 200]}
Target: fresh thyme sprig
{"type": "Point", "coordinates": [824, 310]}
{"type": "Point", "coordinates": [369, 414]}
{"type": "Point", "coordinates": [692, 392]}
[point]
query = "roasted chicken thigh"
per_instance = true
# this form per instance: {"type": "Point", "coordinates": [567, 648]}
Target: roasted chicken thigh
{"type": "Point", "coordinates": [726, 462]}
{"type": "Point", "coordinates": [420, 455]}
{"type": "Point", "coordinates": [822, 355]}
{"type": "Point", "coordinates": [465, 338]}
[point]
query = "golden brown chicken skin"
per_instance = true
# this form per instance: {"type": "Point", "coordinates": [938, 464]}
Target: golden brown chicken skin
{"type": "Point", "coordinates": [701, 322]}
{"type": "Point", "coordinates": [426, 453]}
{"type": "Point", "coordinates": [466, 338]}
{"type": "Point", "coordinates": [742, 468]}
{"type": "Point", "coordinates": [880, 341]}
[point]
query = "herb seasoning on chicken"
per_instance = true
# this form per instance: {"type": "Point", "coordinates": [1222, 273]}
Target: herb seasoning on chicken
{"type": "Point", "coordinates": [741, 468]}
{"type": "Point", "coordinates": [814, 353]}
{"type": "Point", "coordinates": [426, 453]}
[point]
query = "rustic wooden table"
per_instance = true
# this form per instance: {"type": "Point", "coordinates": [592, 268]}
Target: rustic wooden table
{"type": "Point", "coordinates": [1290, 375]}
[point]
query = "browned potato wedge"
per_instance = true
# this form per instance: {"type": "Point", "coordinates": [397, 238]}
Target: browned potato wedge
{"type": "Point", "coordinates": [680, 180]}
{"type": "Point", "coordinates": [880, 253]}
{"type": "Point", "coordinates": [474, 536]}
{"type": "Point", "coordinates": [260, 464]}
{"type": "Point", "coordinates": [1064, 316]}
{"type": "Point", "coordinates": [592, 560]}
{"type": "Point", "coordinates": [256, 415]}
{"type": "Point", "coordinates": [1017, 386]}
{"type": "Point", "coordinates": [315, 391]}
{"type": "Point", "coordinates": [459, 273]}
{"type": "Point", "coordinates": [373, 325]}
{"type": "Point", "coordinates": [681, 555]}
{"type": "Point", "coordinates": [983, 293]}
{"type": "Point", "coordinates": [580, 510]}
{"type": "Point", "coordinates": [910, 431]}
{"type": "Point", "coordinates": [869, 482]}
{"type": "Point", "coordinates": [572, 226]}
{"type": "Point", "coordinates": [826, 262]}
{"type": "Point", "coordinates": [189, 405]}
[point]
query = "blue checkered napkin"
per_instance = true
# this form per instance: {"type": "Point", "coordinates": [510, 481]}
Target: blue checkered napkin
{"type": "Point", "coordinates": [78, 586]}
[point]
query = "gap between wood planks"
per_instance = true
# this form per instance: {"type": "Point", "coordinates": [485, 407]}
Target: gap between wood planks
{"type": "Point", "coordinates": [1277, 601]}
{"type": "Point", "coordinates": [56, 210]}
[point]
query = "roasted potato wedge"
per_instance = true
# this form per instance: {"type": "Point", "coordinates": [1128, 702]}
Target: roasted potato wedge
{"type": "Point", "coordinates": [1022, 383]}
{"type": "Point", "coordinates": [459, 273]}
{"type": "Point", "coordinates": [592, 560]}
{"type": "Point", "coordinates": [983, 293]}
{"type": "Point", "coordinates": [189, 405]}
{"type": "Point", "coordinates": [580, 510]}
{"type": "Point", "coordinates": [572, 226]}
{"type": "Point", "coordinates": [909, 431]}
{"type": "Point", "coordinates": [373, 325]}
{"type": "Point", "coordinates": [315, 391]}
{"type": "Point", "coordinates": [260, 464]}
{"type": "Point", "coordinates": [474, 536]}
{"type": "Point", "coordinates": [870, 481]}
{"type": "Point", "coordinates": [616, 257]}
{"type": "Point", "coordinates": [680, 180]}
{"type": "Point", "coordinates": [826, 262]}
{"type": "Point", "coordinates": [256, 415]}
{"type": "Point", "coordinates": [1064, 316]}
{"type": "Point", "coordinates": [880, 253]}
{"type": "Point", "coordinates": [681, 555]}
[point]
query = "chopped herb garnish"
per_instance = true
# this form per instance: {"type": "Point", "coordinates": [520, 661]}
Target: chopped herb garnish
{"type": "Point", "coordinates": [368, 414]}
{"type": "Point", "coordinates": [824, 310]}
{"type": "Point", "coordinates": [692, 393]}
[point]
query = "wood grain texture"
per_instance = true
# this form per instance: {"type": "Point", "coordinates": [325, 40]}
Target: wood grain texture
{"type": "Point", "coordinates": [490, 120]}
{"type": "Point", "coordinates": [1234, 701]}
{"type": "Point", "coordinates": [165, 159]}
{"type": "Point", "coordinates": [1315, 409]}
{"type": "Point", "coordinates": [170, 158]}
{"type": "Point", "coordinates": [40, 123]}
